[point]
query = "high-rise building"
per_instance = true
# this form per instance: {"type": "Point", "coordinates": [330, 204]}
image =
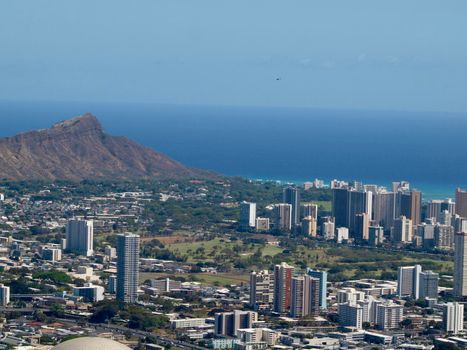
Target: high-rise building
{"type": "Point", "coordinates": [360, 203]}
{"type": "Point", "coordinates": [317, 183]}
{"type": "Point", "coordinates": [408, 281]}
{"type": "Point", "coordinates": [297, 297]}
{"type": "Point", "coordinates": [63, 243]}
{"type": "Point", "coordinates": [80, 236]}
{"type": "Point", "coordinates": [166, 285]}
{"type": "Point", "coordinates": [461, 202]}
{"type": "Point", "coordinates": [112, 284]}
{"type": "Point", "coordinates": [428, 285]}
{"type": "Point", "coordinates": [322, 276]}
{"type": "Point", "coordinates": [445, 218]}
{"type": "Point", "coordinates": [262, 224]}
{"type": "Point", "coordinates": [384, 209]}
{"type": "Point", "coordinates": [292, 197]}
{"type": "Point", "coordinates": [4, 295]}
{"type": "Point", "coordinates": [310, 210]}
{"type": "Point", "coordinates": [341, 206]}
{"type": "Point", "coordinates": [309, 226]}
{"type": "Point", "coordinates": [375, 235]}
{"type": "Point", "coordinates": [400, 186]}
{"type": "Point", "coordinates": [402, 230]}
{"type": "Point", "coordinates": [369, 309]}
{"type": "Point", "coordinates": [453, 317]}
{"type": "Point", "coordinates": [228, 323]}
{"type": "Point", "coordinates": [356, 185]}
{"type": "Point", "coordinates": [338, 184]}
{"type": "Point", "coordinates": [282, 287]}
{"type": "Point", "coordinates": [388, 315]}
{"type": "Point", "coordinates": [436, 207]}
{"type": "Point", "coordinates": [304, 296]}
{"type": "Point", "coordinates": [282, 214]}
{"type": "Point", "coordinates": [327, 229]}
{"type": "Point", "coordinates": [247, 215]}
{"type": "Point", "coordinates": [460, 264]}
{"type": "Point", "coordinates": [89, 292]}
{"type": "Point", "coordinates": [256, 338]}
{"type": "Point", "coordinates": [459, 223]}
{"type": "Point", "coordinates": [444, 236]}
{"type": "Point", "coordinates": [362, 223]}
{"type": "Point", "coordinates": [409, 204]}
{"type": "Point", "coordinates": [110, 252]}
{"type": "Point", "coordinates": [127, 267]}
{"type": "Point", "coordinates": [261, 290]}
{"type": "Point", "coordinates": [342, 234]}
{"type": "Point", "coordinates": [347, 204]}
{"type": "Point", "coordinates": [350, 315]}
{"type": "Point", "coordinates": [349, 295]}
{"type": "Point", "coordinates": [427, 232]}
{"type": "Point", "coordinates": [371, 188]}
{"type": "Point", "coordinates": [51, 254]}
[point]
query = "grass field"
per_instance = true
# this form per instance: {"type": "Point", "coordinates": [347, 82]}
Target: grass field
{"type": "Point", "coordinates": [341, 261]}
{"type": "Point", "coordinates": [353, 262]}
{"type": "Point", "coordinates": [271, 250]}
{"type": "Point", "coordinates": [220, 279]}
{"type": "Point", "coordinates": [212, 247]}
{"type": "Point", "coordinates": [186, 248]}
{"type": "Point", "coordinates": [326, 205]}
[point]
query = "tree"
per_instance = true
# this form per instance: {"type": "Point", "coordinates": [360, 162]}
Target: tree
{"type": "Point", "coordinates": [79, 282]}
{"type": "Point", "coordinates": [57, 277]}
{"type": "Point", "coordinates": [104, 313]}
{"type": "Point", "coordinates": [40, 317]}
{"type": "Point", "coordinates": [127, 335]}
{"type": "Point", "coordinates": [407, 323]}
{"type": "Point", "coordinates": [441, 345]}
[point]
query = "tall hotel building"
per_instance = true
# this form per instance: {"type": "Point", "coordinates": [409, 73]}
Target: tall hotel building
{"type": "Point", "coordinates": [80, 236]}
{"type": "Point", "coordinates": [282, 214]}
{"type": "Point", "coordinates": [282, 287]}
{"type": "Point", "coordinates": [127, 267]}
{"type": "Point", "coordinates": [460, 264]}
{"type": "Point", "coordinates": [304, 296]}
{"type": "Point", "coordinates": [247, 215]}
{"type": "Point", "coordinates": [261, 289]}
{"type": "Point", "coordinates": [461, 203]}
{"type": "Point", "coordinates": [292, 197]}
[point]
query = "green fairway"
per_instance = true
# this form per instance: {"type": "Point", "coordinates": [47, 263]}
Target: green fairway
{"type": "Point", "coordinates": [220, 279]}
{"type": "Point", "coordinates": [207, 250]}
{"type": "Point", "coordinates": [322, 205]}
{"type": "Point", "coordinates": [340, 261]}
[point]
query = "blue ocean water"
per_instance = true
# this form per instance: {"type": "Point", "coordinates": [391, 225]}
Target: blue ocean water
{"type": "Point", "coordinates": [296, 145]}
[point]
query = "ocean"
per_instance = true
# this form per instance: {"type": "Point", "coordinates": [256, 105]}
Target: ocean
{"type": "Point", "coordinates": [286, 144]}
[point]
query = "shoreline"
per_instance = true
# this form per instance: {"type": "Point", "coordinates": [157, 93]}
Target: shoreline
{"type": "Point", "coordinates": [429, 191]}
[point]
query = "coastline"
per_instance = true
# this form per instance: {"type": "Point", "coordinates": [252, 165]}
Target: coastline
{"type": "Point", "coordinates": [429, 191]}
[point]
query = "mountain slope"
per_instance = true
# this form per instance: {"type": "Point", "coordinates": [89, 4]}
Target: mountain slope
{"type": "Point", "coordinates": [78, 149]}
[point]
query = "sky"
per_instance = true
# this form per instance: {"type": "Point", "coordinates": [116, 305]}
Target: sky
{"type": "Point", "coordinates": [359, 54]}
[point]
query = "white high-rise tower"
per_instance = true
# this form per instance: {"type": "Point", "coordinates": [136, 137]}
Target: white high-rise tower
{"type": "Point", "coordinates": [80, 236]}
{"type": "Point", "coordinates": [127, 267]}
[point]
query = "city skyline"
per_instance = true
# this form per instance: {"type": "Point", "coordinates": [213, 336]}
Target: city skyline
{"type": "Point", "coordinates": [233, 175]}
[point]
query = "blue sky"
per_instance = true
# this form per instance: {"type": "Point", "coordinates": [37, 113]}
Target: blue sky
{"type": "Point", "coordinates": [359, 54]}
